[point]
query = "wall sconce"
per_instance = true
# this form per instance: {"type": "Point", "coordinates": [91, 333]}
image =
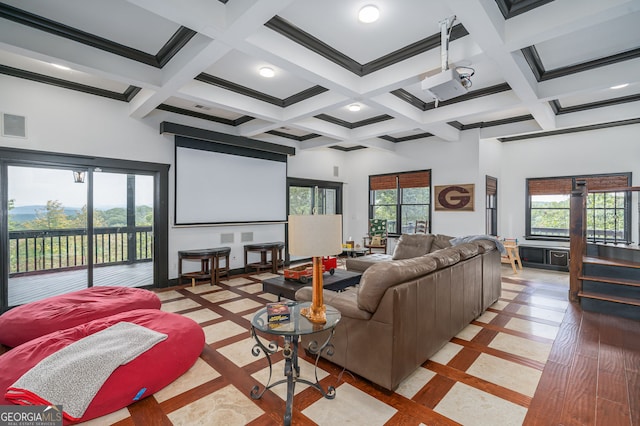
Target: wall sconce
{"type": "Point", "coordinates": [78, 176]}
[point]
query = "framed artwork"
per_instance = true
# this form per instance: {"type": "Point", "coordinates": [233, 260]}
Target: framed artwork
{"type": "Point", "coordinates": [454, 197]}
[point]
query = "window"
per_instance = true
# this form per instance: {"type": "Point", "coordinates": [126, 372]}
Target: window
{"type": "Point", "coordinates": [492, 206]}
{"type": "Point", "coordinates": [608, 213]}
{"type": "Point", "coordinates": [402, 199]}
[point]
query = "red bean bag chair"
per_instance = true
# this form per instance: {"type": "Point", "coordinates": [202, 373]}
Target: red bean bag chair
{"type": "Point", "coordinates": [141, 377]}
{"type": "Point", "coordinates": [35, 319]}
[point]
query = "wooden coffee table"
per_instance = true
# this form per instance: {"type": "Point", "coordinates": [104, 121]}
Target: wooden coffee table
{"type": "Point", "coordinates": [340, 280]}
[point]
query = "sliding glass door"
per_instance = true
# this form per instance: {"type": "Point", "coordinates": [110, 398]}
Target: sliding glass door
{"type": "Point", "coordinates": [47, 229]}
{"type": "Point", "coordinates": [69, 222]}
{"type": "Point", "coordinates": [122, 229]}
{"type": "Point", "coordinates": [313, 197]}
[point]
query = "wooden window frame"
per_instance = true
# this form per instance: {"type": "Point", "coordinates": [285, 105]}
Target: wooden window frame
{"type": "Point", "coordinates": [399, 181]}
{"type": "Point", "coordinates": [562, 185]}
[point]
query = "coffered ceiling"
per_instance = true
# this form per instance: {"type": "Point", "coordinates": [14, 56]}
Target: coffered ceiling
{"type": "Point", "coordinates": [539, 66]}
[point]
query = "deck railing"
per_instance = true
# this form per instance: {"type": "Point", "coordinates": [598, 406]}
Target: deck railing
{"type": "Point", "coordinates": [36, 251]}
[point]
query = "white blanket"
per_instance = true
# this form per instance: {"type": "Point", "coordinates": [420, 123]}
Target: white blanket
{"type": "Point", "coordinates": [72, 376]}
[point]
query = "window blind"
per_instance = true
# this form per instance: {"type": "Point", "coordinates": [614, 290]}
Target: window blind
{"type": "Point", "coordinates": [552, 186]}
{"type": "Point", "coordinates": [563, 185]}
{"type": "Point", "coordinates": [414, 179]}
{"type": "Point", "coordinates": [492, 186]}
{"type": "Point", "coordinates": [598, 183]}
{"type": "Point", "coordinates": [380, 182]}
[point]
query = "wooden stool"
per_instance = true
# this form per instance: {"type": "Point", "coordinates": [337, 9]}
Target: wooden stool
{"type": "Point", "coordinates": [275, 249]}
{"type": "Point", "coordinates": [221, 252]}
{"type": "Point", "coordinates": [209, 264]}
{"type": "Point", "coordinates": [513, 255]}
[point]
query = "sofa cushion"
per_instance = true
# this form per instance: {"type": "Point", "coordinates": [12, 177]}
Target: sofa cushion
{"type": "Point", "coordinates": [345, 301]}
{"type": "Point", "coordinates": [445, 257]}
{"type": "Point", "coordinates": [412, 245]}
{"type": "Point", "coordinates": [361, 263]}
{"type": "Point", "coordinates": [485, 245]}
{"type": "Point", "coordinates": [440, 242]}
{"type": "Point", "coordinates": [379, 277]}
{"type": "Point", "coordinates": [467, 250]}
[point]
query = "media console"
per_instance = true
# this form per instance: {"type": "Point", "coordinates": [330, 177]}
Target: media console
{"type": "Point", "coordinates": [545, 257]}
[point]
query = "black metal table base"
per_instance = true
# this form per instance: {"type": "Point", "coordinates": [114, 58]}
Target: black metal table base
{"type": "Point", "coordinates": [291, 367]}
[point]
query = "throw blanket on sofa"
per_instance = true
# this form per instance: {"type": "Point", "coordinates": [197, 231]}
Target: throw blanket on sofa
{"type": "Point", "coordinates": [72, 376]}
{"type": "Point", "coordinates": [470, 238]}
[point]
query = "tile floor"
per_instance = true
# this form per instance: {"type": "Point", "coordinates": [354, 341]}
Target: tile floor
{"type": "Point", "coordinates": [486, 375]}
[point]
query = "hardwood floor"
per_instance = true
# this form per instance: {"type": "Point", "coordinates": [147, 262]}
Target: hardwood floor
{"type": "Point", "coordinates": [586, 367]}
{"type": "Point", "coordinates": [592, 376]}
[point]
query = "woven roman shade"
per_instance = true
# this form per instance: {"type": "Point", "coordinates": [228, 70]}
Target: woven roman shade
{"type": "Point", "coordinates": [492, 186]}
{"type": "Point", "coordinates": [599, 183]}
{"type": "Point", "coordinates": [415, 179]}
{"type": "Point", "coordinates": [380, 182]}
{"type": "Point", "coordinates": [552, 186]}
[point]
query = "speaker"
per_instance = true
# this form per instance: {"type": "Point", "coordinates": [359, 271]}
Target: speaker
{"type": "Point", "coordinates": [14, 126]}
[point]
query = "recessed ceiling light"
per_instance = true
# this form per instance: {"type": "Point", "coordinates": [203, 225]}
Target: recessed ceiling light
{"type": "Point", "coordinates": [62, 67]}
{"type": "Point", "coordinates": [620, 86]}
{"type": "Point", "coordinates": [368, 14]}
{"type": "Point", "coordinates": [354, 107]}
{"type": "Point", "coordinates": [267, 72]}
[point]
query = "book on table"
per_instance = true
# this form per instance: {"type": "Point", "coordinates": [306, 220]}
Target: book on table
{"type": "Point", "coordinates": [278, 312]}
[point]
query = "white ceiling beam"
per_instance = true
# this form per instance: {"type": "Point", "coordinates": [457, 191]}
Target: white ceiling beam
{"type": "Point", "coordinates": [316, 143]}
{"type": "Point", "coordinates": [43, 46]}
{"type": "Point", "coordinates": [560, 18]}
{"type": "Point", "coordinates": [208, 94]}
{"type": "Point", "coordinates": [620, 112]}
{"type": "Point", "coordinates": [480, 18]}
{"type": "Point", "coordinates": [182, 69]}
{"type": "Point", "coordinates": [587, 81]}
{"type": "Point", "coordinates": [321, 127]}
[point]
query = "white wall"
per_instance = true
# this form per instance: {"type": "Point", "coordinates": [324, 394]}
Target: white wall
{"type": "Point", "coordinates": [611, 150]}
{"type": "Point", "coordinates": [450, 163]}
{"type": "Point", "coordinates": [60, 120]}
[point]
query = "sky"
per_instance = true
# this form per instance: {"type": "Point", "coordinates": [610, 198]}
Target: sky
{"type": "Point", "coordinates": [35, 186]}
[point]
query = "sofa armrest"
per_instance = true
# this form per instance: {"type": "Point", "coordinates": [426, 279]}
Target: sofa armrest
{"type": "Point", "coordinates": [344, 301]}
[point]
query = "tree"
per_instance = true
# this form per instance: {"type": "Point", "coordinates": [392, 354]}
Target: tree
{"type": "Point", "coordinates": [144, 216]}
{"type": "Point", "coordinates": [80, 219]}
{"type": "Point", "coordinates": [51, 217]}
{"type": "Point", "coordinates": [299, 200]}
{"type": "Point", "coordinates": [12, 223]}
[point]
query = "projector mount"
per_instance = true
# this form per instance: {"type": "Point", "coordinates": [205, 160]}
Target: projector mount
{"type": "Point", "coordinates": [449, 83]}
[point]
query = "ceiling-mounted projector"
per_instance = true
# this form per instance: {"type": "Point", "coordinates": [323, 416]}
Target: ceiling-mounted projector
{"type": "Point", "coordinates": [450, 83]}
{"type": "Point", "coordinates": [446, 85]}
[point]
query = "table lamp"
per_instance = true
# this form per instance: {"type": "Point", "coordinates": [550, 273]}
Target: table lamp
{"type": "Point", "coordinates": [315, 235]}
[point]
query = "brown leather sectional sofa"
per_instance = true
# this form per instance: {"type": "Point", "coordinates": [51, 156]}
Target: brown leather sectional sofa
{"type": "Point", "coordinates": [407, 306]}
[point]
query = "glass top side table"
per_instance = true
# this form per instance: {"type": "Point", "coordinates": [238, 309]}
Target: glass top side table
{"type": "Point", "coordinates": [291, 332]}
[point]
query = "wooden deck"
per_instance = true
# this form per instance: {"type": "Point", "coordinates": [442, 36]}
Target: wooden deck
{"type": "Point", "coordinates": [35, 287]}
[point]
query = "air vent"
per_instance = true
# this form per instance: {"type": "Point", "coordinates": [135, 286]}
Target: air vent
{"type": "Point", "coordinates": [226, 238]}
{"type": "Point", "coordinates": [246, 237]}
{"type": "Point", "coordinates": [206, 108]}
{"type": "Point", "coordinates": [14, 126]}
{"type": "Point", "coordinates": [336, 171]}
